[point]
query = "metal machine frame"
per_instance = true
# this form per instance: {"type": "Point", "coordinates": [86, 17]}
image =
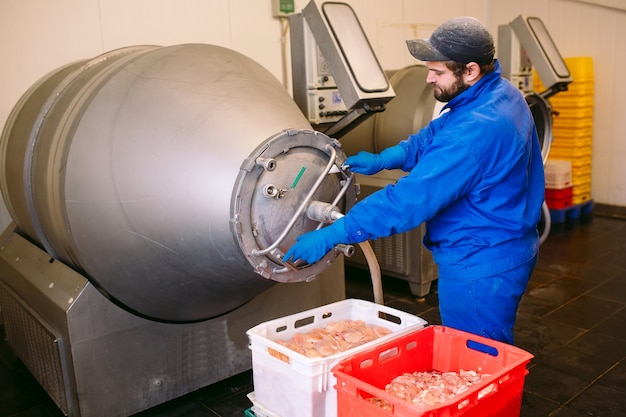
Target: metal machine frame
{"type": "Point", "coordinates": [125, 279]}
{"type": "Point", "coordinates": [525, 43]}
{"type": "Point", "coordinates": [349, 68]}
{"type": "Point", "coordinates": [95, 359]}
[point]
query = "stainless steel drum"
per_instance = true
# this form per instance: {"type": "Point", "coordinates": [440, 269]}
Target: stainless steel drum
{"type": "Point", "coordinates": [172, 177]}
{"type": "Point", "coordinates": [410, 111]}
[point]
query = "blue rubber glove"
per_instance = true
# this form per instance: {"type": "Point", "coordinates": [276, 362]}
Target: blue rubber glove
{"type": "Point", "coordinates": [312, 246]}
{"type": "Point", "coordinates": [370, 163]}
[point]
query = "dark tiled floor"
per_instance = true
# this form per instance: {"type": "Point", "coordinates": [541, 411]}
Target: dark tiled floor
{"type": "Point", "coordinates": [573, 319]}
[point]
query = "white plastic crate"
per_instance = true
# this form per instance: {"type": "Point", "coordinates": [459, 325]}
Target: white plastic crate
{"type": "Point", "coordinates": [258, 409]}
{"type": "Point", "coordinates": [558, 173]}
{"type": "Point", "coordinates": [299, 386]}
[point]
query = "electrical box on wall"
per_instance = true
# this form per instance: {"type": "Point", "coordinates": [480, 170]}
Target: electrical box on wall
{"type": "Point", "coordinates": [282, 8]}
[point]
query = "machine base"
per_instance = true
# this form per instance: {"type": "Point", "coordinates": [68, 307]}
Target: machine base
{"type": "Point", "coordinates": [96, 359]}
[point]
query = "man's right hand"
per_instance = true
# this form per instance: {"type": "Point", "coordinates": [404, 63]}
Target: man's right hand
{"type": "Point", "coordinates": [365, 163]}
{"type": "Point", "coordinates": [370, 163]}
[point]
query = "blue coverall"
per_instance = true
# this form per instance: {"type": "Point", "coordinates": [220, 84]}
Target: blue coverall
{"type": "Point", "coordinates": [475, 176]}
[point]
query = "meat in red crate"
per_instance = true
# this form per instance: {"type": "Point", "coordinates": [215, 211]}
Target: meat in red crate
{"type": "Point", "coordinates": [362, 378]}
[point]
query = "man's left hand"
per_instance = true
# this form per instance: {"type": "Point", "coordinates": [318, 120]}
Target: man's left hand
{"type": "Point", "coordinates": [312, 246]}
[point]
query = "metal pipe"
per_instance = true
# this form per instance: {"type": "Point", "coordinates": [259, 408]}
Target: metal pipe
{"type": "Point", "coordinates": [267, 163]}
{"type": "Point", "coordinates": [347, 250]}
{"type": "Point", "coordinates": [322, 212]}
{"type": "Point", "coordinates": [345, 187]}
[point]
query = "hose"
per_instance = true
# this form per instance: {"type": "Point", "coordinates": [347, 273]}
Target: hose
{"type": "Point", "coordinates": [547, 223]}
{"type": "Point", "coordinates": [329, 213]}
{"type": "Point", "coordinates": [374, 267]}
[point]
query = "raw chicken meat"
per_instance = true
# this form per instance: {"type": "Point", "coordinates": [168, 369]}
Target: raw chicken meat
{"type": "Point", "coordinates": [337, 336]}
{"type": "Point", "coordinates": [429, 388]}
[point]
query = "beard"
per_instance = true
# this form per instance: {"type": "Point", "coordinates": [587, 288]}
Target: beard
{"type": "Point", "coordinates": [446, 94]}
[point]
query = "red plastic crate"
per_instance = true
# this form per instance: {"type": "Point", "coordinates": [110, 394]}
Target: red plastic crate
{"type": "Point", "coordinates": [559, 198]}
{"type": "Point", "coordinates": [438, 348]}
{"type": "Point", "coordinates": [558, 204]}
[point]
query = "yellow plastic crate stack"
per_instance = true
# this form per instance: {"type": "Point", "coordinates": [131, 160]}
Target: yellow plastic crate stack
{"type": "Point", "coordinates": [573, 124]}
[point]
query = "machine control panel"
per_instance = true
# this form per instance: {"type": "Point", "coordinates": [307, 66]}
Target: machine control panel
{"type": "Point", "coordinates": [524, 44]}
{"type": "Point", "coordinates": [325, 105]}
{"type": "Point", "coordinates": [330, 51]}
{"type": "Point", "coordinates": [514, 59]}
{"type": "Point", "coordinates": [314, 87]}
{"type": "Point", "coordinates": [318, 74]}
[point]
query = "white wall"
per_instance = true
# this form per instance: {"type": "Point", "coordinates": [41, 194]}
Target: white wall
{"type": "Point", "coordinates": [37, 36]}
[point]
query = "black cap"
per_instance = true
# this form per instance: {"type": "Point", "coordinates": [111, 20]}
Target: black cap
{"type": "Point", "coordinates": [463, 39]}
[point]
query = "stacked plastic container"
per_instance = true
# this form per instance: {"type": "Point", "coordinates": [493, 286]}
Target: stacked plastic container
{"type": "Point", "coordinates": [572, 144]}
{"type": "Point", "coordinates": [559, 186]}
{"type": "Point", "coordinates": [288, 384]}
{"type": "Point", "coordinates": [573, 126]}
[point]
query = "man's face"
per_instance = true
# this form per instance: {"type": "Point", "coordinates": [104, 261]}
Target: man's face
{"type": "Point", "coordinates": [446, 85]}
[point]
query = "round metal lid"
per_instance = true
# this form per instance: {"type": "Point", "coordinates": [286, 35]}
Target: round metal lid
{"type": "Point", "coordinates": [275, 186]}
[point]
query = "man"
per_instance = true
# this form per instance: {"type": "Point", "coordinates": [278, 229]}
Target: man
{"type": "Point", "coordinates": [475, 176]}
